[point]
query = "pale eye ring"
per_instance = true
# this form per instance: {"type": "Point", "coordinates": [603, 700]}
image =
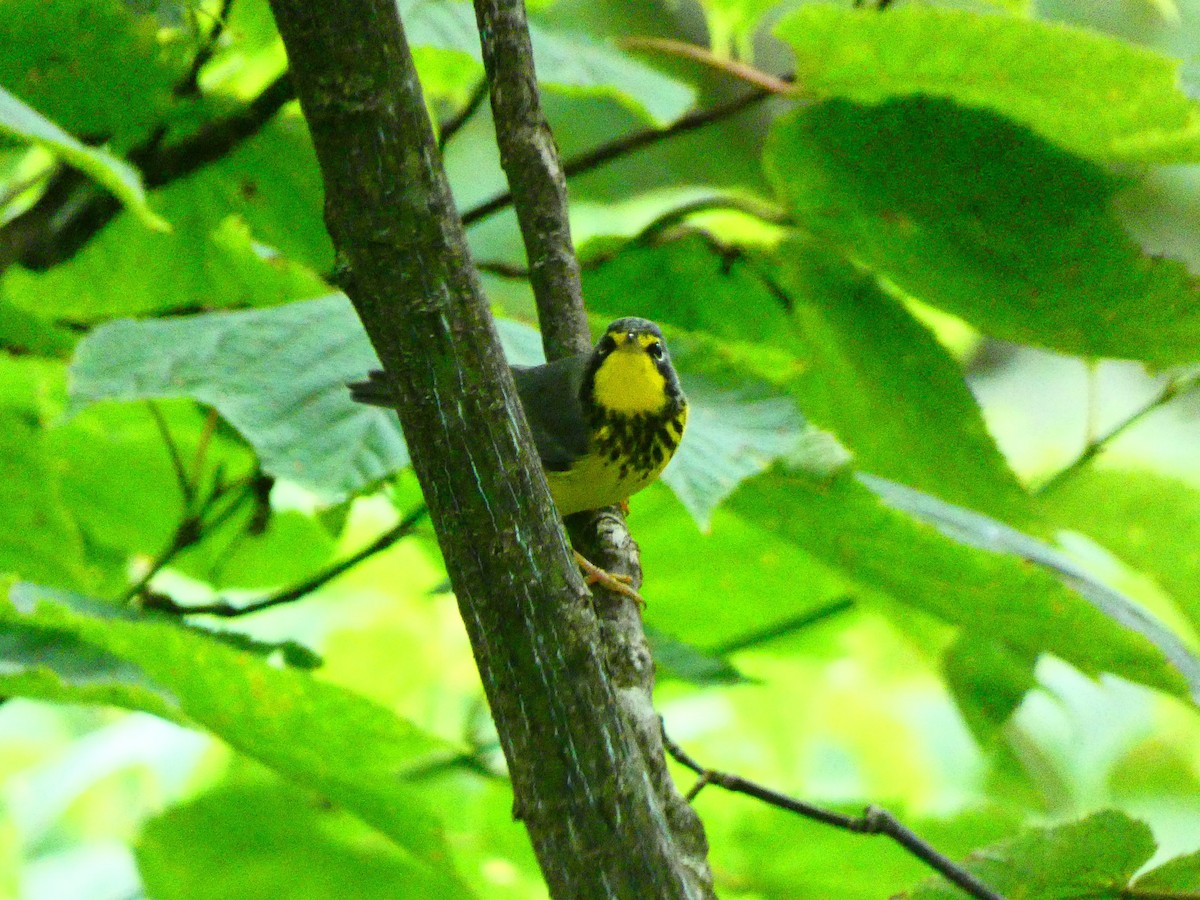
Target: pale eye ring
{"type": "Point", "coordinates": [656, 350]}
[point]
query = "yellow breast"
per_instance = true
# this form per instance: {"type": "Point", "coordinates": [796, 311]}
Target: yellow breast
{"type": "Point", "coordinates": [618, 464]}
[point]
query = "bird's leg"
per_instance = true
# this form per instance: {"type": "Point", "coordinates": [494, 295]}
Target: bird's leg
{"type": "Point", "coordinates": [621, 584]}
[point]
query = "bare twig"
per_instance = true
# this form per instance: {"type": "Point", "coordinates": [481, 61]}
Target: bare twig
{"type": "Point", "coordinates": [873, 821]}
{"type": "Point", "coordinates": [190, 85]}
{"type": "Point", "coordinates": [1176, 387]}
{"type": "Point", "coordinates": [451, 126]}
{"type": "Point", "coordinates": [186, 486]}
{"type": "Point", "coordinates": [72, 209]}
{"type": "Point", "coordinates": [788, 626]}
{"type": "Point", "coordinates": [531, 164]}
{"type": "Point", "coordinates": [627, 144]}
{"type": "Point", "coordinates": [743, 72]}
{"type": "Point", "coordinates": [227, 610]}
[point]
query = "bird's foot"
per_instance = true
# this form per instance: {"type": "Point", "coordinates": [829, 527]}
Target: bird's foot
{"type": "Point", "coordinates": [621, 584]}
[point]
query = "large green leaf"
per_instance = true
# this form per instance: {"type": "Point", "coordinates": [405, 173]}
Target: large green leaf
{"type": "Point", "coordinates": [1151, 521]}
{"type": "Point", "coordinates": [318, 735]}
{"type": "Point", "coordinates": [968, 212]}
{"type": "Point", "coordinates": [995, 596]}
{"type": "Point", "coordinates": [575, 63]}
{"type": "Point", "coordinates": [279, 377]}
{"type": "Point", "coordinates": [39, 537]}
{"type": "Point", "coordinates": [96, 67]}
{"type": "Point", "coordinates": [1092, 94]}
{"type": "Point", "coordinates": [256, 837]}
{"type": "Point", "coordinates": [1177, 878]}
{"type": "Point", "coordinates": [27, 124]}
{"type": "Point", "coordinates": [853, 358]}
{"type": "Point", "coordinates": [1093, 858]}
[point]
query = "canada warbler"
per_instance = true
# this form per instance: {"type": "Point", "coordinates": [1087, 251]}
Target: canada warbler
{"type": "Point", "coordinates": [605, 423]}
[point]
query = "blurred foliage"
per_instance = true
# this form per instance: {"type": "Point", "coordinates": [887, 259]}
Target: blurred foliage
{"type": "Point", "coordinates": [931, 541]}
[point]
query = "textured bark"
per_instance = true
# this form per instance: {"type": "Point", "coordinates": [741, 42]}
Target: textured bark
{"type": "Point", "coordinates": [582, 782]}
{"type": "Point", "coordinates": [535, 176]}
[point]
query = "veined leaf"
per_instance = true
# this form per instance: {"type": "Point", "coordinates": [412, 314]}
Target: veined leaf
{"type": "Point", "coordinates": [841, 523]}
{"type": "Point", "coordinates": [1091, 94]}
{"type": "Point", "coordinates": [1093, 858]}
{"type": "Point", "coordinates": [568, 62]}
{"type": "Point", "coordinates": [965, 211]}
{"type": "Point", "coordinates": [319, 735]}
{"type": "Point", "coordinates": [279, 377]}
{"type": "Point", "coordinates": [116, 175]}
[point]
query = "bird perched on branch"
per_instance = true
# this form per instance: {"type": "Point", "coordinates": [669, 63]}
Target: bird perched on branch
{"type": "Point", "coordinates": [605, 423]}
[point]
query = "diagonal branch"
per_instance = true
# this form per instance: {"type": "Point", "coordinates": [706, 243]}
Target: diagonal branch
{"type": "Point", "coordinates": [626, 145]}
{"type": "Point", "coordinates": [874, 820]}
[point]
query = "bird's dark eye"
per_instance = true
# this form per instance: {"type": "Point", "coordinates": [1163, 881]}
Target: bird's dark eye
{"type": "Point", "coordinates": [656, 350]}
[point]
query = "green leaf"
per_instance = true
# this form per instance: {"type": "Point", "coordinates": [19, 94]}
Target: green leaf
{"type": "Point", "coordinates": [39, 537]}
{"type": "Point", "coordinates": [1091, 94]}
{"type": "Point", "coordinates": [24, 332]}
{"type": "Point", "coordinates": [1151, 521]}
{"type": "Point", "coordinates": [976, 530]}
{"type": "Point", "coordinates": [853, 358]}
{"type": "Point", "coordinates": [1092, 858]}
{"type": "Point", "coordinates": [988, 682]}
{"type": "Point", "coordinates": [318, 735]}
{"type": "Point", "coordinates": [889, 391]}
{"type": "Point", "coordinates": [256, 838]}
{"type": "Point", "coordinates": [965, 211]}
{"type": "Point", "coordinates": [96, 67]}
{"type": "Point", "coordinates": [999, 598]}
{"type": "Point", "coordinates": [674, 658]}
{"type": "Point", "coordinates": [117, 176]}
{"type": "Point", "coordinates": [279, 377]}
{"type": "Point", "coordinates": [572, 63]}
{"type": "Point", "coordinates": [1181, 875]}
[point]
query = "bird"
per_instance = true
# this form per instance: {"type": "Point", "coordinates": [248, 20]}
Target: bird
{"type": "Point", "coordinates": [605, 422]}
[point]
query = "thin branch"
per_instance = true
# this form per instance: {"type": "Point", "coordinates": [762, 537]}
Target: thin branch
{"type": "Point", "coordinates": [227, 610]}
{"type": "Point", "coordinates": [754, 208]}
{"type": "Point", "coordinates": [806, 619]}
{"type": "Point", "coordinates": [210, 428]}
{"type": "Point", "coordinates": [190, 85]}
{"type": "Point", "coordinates": [186, 487]}
{"type": "Point", "coordinates": [743, 72]}
{"type": "Point", "coordinates": [874, 820]}
{"type": "Point", "coordinates": [1176, 387]}
{"type": "Point", "coordinates": [452, 125]}
{"type": "Point", "coordinates": [530, 161]}
{"type": "Point", "coordinates": [627, 144]}
{"type": "Point", "coordinates": [73, 209]}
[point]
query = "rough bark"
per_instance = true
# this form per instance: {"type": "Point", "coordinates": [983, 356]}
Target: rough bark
{"type": "Point", "coordinates": [531, 163]}
{"type": "Point", "coordinates": [581, 779]}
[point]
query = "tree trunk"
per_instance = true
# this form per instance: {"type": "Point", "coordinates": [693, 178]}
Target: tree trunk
{"type": "Point", "coordinates": [590, 797]}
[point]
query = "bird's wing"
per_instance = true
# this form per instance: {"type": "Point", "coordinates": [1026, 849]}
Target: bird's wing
{"type": "Point", "coordinates": [550, 395]}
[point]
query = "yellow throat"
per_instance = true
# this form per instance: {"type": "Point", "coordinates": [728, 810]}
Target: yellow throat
{"type": "Point", "coordinates": [627, 381]}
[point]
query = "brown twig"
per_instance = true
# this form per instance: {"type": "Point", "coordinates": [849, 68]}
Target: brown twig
{"type": "Point", "coordinates": [452, 125]}
{"type": "Point", "coordinates": [762, 80]}
{"type": "Point", "coordinates": [530, 160]}
{"type": "Point", "coordinates": [227, 610]}
{"type": "Point", "coordinates": [627, 144]}
{"type": "Point", "coordinates": [1176, 387]}
{"type": "Point", "coordinates": [190, 84]}
{"type": "Point", "coordinates": [186, 487]}
{"type": "Point", "coordinates": [874, 820]}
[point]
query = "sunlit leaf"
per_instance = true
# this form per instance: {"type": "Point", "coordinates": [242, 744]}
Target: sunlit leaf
{"type": "Point", "coordinates": [319, 735]}
{"type": "Point", "coordinates": [1094, 858]}
{"type": "Point", "coordinates": [117, 176]}
{"type": "Point", "coordinates": [965, 211]}
{"type": "Point", "coordinates": [1087, 92]}
{"type": "Point", "coordinates": [247, 838]}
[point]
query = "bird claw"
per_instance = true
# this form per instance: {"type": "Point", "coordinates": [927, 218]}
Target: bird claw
{"type": "Point", "coordinates": [620, 584]}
